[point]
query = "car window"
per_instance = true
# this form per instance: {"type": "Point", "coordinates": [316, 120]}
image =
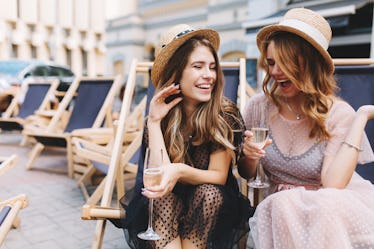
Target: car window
{"type": "Point", "coordinates": [40, 71]}
{"type": "Point", "coordinates": [61, 72]}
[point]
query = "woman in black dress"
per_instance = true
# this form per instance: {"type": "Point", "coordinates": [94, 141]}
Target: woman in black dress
{"type": "Point", "coordinates": [198, 203]}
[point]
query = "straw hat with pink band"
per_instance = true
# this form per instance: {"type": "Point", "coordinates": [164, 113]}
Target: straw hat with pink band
{"type": "Point", "coordinates": [174, 38]}
{"type": "Point", "coordinates": [307, 24]}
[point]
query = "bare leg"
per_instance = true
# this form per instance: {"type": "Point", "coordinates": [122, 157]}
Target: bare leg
{"type": "Point", "coordinates": [174, 244]}
{"type": "Point", "coordinates": [187, 244]}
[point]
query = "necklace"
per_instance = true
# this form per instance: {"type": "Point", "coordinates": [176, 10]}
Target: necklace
{"type": "Point", "coordinates": [298, 115]}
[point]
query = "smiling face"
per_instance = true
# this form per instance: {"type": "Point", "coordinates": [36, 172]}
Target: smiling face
{"type": "Point", "coordinates": [198, 77]}
{"type": "Point", "coordinates": [286, 87]}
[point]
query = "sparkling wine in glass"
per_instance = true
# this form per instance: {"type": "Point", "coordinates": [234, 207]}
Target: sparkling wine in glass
{"type": "Point", "coordinates": [260, 135]}
{"type": "Point", "coordinates": [151, 177]}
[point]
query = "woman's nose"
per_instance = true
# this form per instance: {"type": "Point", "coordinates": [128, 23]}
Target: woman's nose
{"type": "Point", "coordinates": [208, 73]}
{"type": "Point", "coordinates": [276, 70]}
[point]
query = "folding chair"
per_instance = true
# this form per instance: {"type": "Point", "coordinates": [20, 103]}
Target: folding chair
{"type": "Point", "coordinates": [104, 210]}
{"type": "Point", "coordinates": [355, 79]}
{"type": "Point", "coordinates": [36, 97]}
{"type": "Point", "coordinates": [7, 163]}
{"type": "Point", "coordinates": [91, 100]}
{"type": "Point", "coordinates": [98, 156]}
{"type": "Point", "coordinates": [10, 208]}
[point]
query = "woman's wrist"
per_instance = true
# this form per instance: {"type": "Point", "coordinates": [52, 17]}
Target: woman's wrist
{"type": "Point", "coordinates": [151, 122]}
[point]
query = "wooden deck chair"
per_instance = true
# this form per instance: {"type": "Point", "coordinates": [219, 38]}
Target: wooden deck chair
{"type": "Point", "coordinates": [91, 98]}
{"type": "Point", "coordinates": [36, 97]}
{"type": "Point", "coordinates": [105, 211]}
{"type": "Point", "coordinates": [98, 156]}
{"type": "Point", "coordinates": [355, 79]}
{"type": "Point", "coordinates": [7, 163]}
{"type": "Point", "coordinates": [10, 208]}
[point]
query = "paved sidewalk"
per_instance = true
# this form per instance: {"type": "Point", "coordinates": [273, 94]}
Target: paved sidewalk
{"type": "Point", "coordinates": [52, 219]}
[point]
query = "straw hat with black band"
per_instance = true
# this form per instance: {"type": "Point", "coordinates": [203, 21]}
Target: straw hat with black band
{"type": "Point", "coordinates": [307, 24]}
{"type": "Point", "coordinates": [172, 40]}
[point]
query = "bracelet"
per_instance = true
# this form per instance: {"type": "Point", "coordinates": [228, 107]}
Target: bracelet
{"type": "Point", "coordinates": [358, 149]}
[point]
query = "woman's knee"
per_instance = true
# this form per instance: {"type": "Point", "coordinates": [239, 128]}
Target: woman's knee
{"type": "Point", "coordinates": [210, 195]}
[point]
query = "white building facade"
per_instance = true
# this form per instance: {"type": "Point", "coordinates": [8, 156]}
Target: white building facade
{"type": "Point", "coordinates": [135, 34]}
{"type": "Point", "coordinates": [68, 32]}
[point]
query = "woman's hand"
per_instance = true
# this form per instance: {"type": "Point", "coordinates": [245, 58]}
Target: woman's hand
{"type": "Point", "coordinates": [251, 149]}
{"type": "Point", "coordinates": [367, 111]}
{"type": "Point", "coordinates": [158, 109]}
{"type": "Point", "coordinates": [170, 177]}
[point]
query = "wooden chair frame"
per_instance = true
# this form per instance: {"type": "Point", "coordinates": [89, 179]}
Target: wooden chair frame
{"type": "Point", "coordinates": [13, 205]}
{"type": "Point", "coordinates": [54, 130]}
{"type": "Point", "coordinates": [92, 151]}
{"type": "Point", "coordinates": [11, 114]}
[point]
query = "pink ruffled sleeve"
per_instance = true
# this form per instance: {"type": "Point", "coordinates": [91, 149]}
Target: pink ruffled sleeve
{"type": "Point", "coordinates": [338, 123]}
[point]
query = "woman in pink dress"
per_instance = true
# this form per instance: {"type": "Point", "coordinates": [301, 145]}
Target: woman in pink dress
{"type": "Point", "coordinates": [315, 199]}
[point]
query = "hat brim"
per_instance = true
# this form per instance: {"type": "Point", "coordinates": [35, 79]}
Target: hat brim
{"type": "Point", "coordinates": [266, 32]}
{"type": "Point", "coordinates": [167, 52]}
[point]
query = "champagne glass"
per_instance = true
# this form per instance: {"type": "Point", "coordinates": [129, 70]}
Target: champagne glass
{"type": "Point", "coordinates": [152, 175]}
{"type": "Point", "coordinates": [260, 135]}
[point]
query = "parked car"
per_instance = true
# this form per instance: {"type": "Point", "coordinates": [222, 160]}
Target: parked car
{"type": "Point", "coordinates": [14, 73]}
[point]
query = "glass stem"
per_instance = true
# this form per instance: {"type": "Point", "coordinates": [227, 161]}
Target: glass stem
{"type": "Point", "coordinates": [258, 172]}
{"type": "Point", "coordinates": [150, 213]}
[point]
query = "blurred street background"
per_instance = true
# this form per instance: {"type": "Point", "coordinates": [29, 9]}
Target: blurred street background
{"type": "Point", "coordinates": [52, 219]}
{"type": "Point", "coordinates": [67, 39]}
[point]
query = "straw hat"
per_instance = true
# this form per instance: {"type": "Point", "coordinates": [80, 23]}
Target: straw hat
{"type": "Point", "coordinates": [307, 24]}
{"type": "Point", "coordinates": [172, 40]}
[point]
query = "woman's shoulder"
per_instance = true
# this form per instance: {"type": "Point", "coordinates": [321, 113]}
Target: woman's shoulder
{"type": "Point", "coordinates": [258, 98]}
{"type": "Point", "coordinates": [340, 112]}
{"type": "Point", "coordinates": [231, 113]}
{"type": "Point", "coordinates": [340, 107]}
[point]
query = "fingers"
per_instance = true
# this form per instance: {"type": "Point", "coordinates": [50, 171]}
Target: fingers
{"type": "Point", "coordinates": [366, 110]}
{"type": "Point", "coordinates": [155, 191]}
{"type": "Point", "coordinates": [250, 149]}
{"type": "Point", "coordinates": [168, 91]}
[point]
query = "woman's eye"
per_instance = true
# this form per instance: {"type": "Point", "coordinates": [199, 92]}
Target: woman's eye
{"type": "Point", "coordinates": [271, 62]}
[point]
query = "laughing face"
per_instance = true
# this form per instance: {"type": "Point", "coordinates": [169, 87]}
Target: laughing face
{"type": "Point", "coordinates": [198, 77]}
{"type": "Point", "coordinates": [287, 88]}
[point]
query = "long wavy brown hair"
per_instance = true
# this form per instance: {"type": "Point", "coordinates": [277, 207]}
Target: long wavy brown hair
{"type": "Point", "coordinates": [308, 71]}
{"type": "Point", "coordinates": [207, 121]}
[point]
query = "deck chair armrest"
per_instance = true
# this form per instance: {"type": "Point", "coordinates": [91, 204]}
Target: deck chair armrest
{"type": "Point", "coordinates": [19, 198]}
{"type": "Point", "coordinates": [88, 150]}
{"type": "Point", "coordinates": [88, 132]}
{"type": "Point", "coordinates": [91, 212]}
{"type": "Point", "coordinates": [45, 113]}
{"type": "Point", "coordinates": [96, 135]}
{"type": "Point", "coordinates": [8, 163]}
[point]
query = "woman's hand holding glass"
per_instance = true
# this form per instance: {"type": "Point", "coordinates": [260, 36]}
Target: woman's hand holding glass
{"type": "Point", "coordinates": [256, 151]}
{"type": "Point", "coordinates": [253, 150]}
{"type": "Point", "coordinates": [152, 174]}
{"type": "Point", "coordinates": [170, 177]}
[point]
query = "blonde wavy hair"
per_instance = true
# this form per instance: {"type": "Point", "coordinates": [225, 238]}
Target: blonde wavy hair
{"type": "Point", "coordinates": [207, 121]}
{"type": "Point", "coordinates": [308, 71]}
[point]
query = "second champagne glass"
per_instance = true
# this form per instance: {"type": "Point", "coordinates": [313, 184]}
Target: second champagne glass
{"type": "Point", "coordinates": [151, 177]}
{"type": "Point", "coordinates": [260, 135]}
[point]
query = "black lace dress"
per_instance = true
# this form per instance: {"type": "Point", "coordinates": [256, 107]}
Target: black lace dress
{"type": "Point", "coordinates": [211, 216]}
